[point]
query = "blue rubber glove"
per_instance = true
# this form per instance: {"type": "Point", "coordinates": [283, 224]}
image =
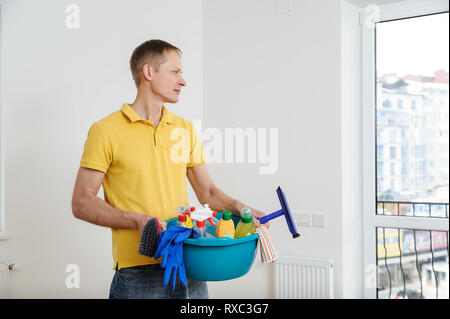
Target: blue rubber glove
{"type": "Point", "coordinates": [170, 247]}
{"type": "Point", "coordinates": [181, 269]}
{"type": "Point", "coordinates": [166, 238]}
{"type": "Point", "coordinates": [171, 265]}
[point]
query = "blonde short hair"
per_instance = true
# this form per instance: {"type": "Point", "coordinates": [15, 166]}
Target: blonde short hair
{"type": "Point", "coordinates": [151, 52]}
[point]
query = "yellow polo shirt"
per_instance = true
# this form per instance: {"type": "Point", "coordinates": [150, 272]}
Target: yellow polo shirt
{"type": "Point", "coordinates": [145, 170]}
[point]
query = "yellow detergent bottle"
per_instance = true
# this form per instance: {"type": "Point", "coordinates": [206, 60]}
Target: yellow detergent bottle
{"type": "Point", "coordinates": [245, 227]}
{"type": "Point", "coordinates": [188, 222]}
{"type": "Point", "coordinates": [225, 226]}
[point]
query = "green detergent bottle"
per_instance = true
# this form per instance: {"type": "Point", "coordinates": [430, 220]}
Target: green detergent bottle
{"type": "Point", "coordinates": [246, 226]}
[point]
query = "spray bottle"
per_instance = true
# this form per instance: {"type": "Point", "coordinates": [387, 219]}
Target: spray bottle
{"type": "Point", "coordinates": [200, 227]}
{"type": "Point", "coordinates": [181, 221]}
{"type": "Point", "coordinates": [186, 210]}
{"type": "Point", "coordinates": [204, 213]}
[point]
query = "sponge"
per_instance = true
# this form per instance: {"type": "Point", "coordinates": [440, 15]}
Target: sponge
{"type": "Point", "coordinates": [149, 238]}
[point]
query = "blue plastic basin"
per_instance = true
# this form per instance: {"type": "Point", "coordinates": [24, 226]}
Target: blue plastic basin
{"type": "Point", "coordinates": [214, 259]}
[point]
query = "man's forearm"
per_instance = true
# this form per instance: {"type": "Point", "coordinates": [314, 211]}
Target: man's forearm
{"type": "Point", "coordinates": [219, 201]}
{"type": "Point", "coordinates": [95, 210]}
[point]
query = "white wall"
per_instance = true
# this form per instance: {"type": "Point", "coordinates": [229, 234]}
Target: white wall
{"type": "Point", "coordinates": [55, 83]}
{"type": "Point", "coordinates": [245, 65]}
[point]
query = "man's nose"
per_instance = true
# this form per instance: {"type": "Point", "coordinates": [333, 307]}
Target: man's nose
{"type": "Point", "coordinates": [182, 82]}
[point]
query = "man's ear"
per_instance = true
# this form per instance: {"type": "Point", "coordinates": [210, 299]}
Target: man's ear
{"type": "Point", "coordinates": [147, 71]}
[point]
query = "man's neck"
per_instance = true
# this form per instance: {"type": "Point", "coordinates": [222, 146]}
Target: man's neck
{"type": "Point", "coordinates": [148, 108]}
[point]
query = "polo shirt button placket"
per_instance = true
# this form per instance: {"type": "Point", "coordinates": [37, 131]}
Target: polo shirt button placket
{"type": "Point", "coordinates": [156, 137]}
{"type": "Point", "coordinates": [152, 131]}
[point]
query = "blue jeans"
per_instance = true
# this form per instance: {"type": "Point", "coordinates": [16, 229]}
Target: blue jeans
{"type": "Point", "coordinates": [146, 282]}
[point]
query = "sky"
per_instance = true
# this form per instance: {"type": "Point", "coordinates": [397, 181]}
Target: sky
{"type": "Point", "coordinates": [416, 46]}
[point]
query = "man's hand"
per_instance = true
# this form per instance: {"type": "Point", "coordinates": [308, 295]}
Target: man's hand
{"type": "Point", "coordinates": [143, 219]}
{"type": "Point", "coordinates": [257, 214]}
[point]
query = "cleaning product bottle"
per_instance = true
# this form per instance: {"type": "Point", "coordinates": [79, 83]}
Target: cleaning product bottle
{"type": "Point", "coordinates": [181, 221]}
{"type": "Point", "coordinates": [186, 210]}
{"type": "Point", "coordinates": [204, 213]}
{"type": "Point", "coordinates": [246, 226]}
{"type": "Point", "coordinates": [214, 220]}
{"type": "Point", "coordinates": [201, 228]}
{"type": "Point", "coordinates": [225, 227]}
{"type": "Point", "coordinates": [188, 221]}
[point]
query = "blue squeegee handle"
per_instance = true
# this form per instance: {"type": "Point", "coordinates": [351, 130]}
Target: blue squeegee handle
{"type": "Point", "coordinates": [266, 218]}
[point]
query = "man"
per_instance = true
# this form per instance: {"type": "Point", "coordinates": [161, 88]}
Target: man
{"type": "Point", "coordinates": [141, 155]}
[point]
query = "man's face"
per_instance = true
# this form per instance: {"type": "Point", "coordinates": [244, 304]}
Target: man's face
{"type": "Point", "coordinates": [168, 81]}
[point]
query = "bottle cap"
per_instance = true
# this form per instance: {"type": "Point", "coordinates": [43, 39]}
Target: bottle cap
{"type": "Point", "coordinates": [246, 215]}
{"type": "Point", "coordinates": [226, 215]}
{"type": "Point", "coordinates": [181, 218]}
{"type": "Point", "coordinates": [201, 223]}
{"type": "Point", "coordinates": [247, 219]}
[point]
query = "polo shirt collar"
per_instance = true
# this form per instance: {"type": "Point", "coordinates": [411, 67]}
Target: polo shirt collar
{"type": "Point", "coordinates": [167, 116]}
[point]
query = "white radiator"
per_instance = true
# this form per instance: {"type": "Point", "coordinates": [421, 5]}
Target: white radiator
{"type": "Point", "coordinates": [4, 276]}
{"type": "Point", "coordinates": [303, 278]}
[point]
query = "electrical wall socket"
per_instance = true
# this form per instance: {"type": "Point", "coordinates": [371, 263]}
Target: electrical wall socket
{"type": "Point", "coordinates": [318, 220]}
{"type": "Point", "coordinates": [303, 219]}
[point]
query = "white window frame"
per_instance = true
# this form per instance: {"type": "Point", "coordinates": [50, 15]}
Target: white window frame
{"type": "Point", "coordinates": [3, 234]}
{"type": "Point", "coordinates": [392, 11]}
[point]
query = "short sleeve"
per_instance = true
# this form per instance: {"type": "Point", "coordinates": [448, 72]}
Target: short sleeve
{"type": "Point", "coordinates": [97, 150]}
{"type": "Point", "coordinates": [197, 154]}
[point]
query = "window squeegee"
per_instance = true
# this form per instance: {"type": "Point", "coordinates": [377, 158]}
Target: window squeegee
{"type": "Point", "coordinates": [283, 211]}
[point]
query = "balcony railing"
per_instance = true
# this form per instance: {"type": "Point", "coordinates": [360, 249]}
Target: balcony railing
{"type": "Point", "coordinates": [415, 209]}
{"type": "Point", "coordinates": [412, 263]}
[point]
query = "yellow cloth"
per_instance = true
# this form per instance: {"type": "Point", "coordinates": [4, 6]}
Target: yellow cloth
{"type": "Point", "coordinates": [145, 170]}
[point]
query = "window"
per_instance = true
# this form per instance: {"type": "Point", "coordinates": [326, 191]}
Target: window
{"type": "Point", "coordinates": [405, 152]}
{"type": "Point", "coordinates": [420, 152]}
{"type": "Point", "coordinates": [405, 183]}
{"type": "Point", "coordinates": [421, 168]}
{"type": "Point", "coordinates": [425, 187]}
{"type": "Point", "coordinates": [380, 152]}
{"type": "Point", "coordinates": [405, 71]}
{"type": "Point", "coordinates": [380, 168]}
{"type": "Point", "coordinates": [405, 168]}
{"type": "Point", "coordinates": [3, 234]}
{"type": "Point", "coordinates": [392, 152]}
{"type": "Point", "coordinates": [420, 181]}
{"type": "Point", "coordinates": [392, 169]}
{"type": "Point", "coordinates": [393, 136]}
{"type": "Point", "coordinates": [379, 134]}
